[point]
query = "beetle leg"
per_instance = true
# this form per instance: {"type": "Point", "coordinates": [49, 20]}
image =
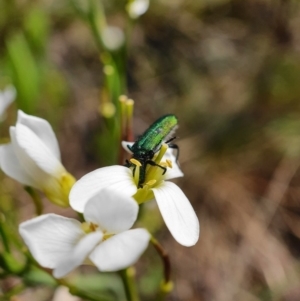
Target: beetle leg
{"type": "Point", "coordinates": [175, 146]}
{"type": "Point", "coordinates": [152, 163]}
{"type": "Point", "coordinates": [171, 139]}
{"type": "Point", "coordinates": [129, 164]}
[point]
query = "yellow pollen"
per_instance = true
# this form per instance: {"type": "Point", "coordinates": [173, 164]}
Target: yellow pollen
{"type": "Point", "coordinates": [151, 182]}
{"type": "Point", "coordinates": [135, 162]}
{"type": "Point", "coordinates": [169, 163]}
{"type": "Point", "coordinates": [163, 164]}
{"type": "Point", "coordinates": [136, 170]}
{"type": "Point", "coordinates": [93, 227]}
{"type": "Point", "coordinates": [107, 236]}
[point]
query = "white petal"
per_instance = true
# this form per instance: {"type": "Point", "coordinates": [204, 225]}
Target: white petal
{"type": "Point", "coordinates": [177, 213]}
{"type": "Point", "coordinates": [125, 145]}
{"type": "Point", "coordinates": [112, 211]}
{"type": "Point", "coordinates": [6, 98]}
{"type": "Point", "coordinates": [9, 93]}
{"type": "Point", "coordinates": [121, 250]}
{"type": "Point", "coordinates": [51, 238]}
{"type": "Point", "coordinates": [12, 167]}
{"type": "Point", "coordinates": [137, 8]}
{"type": "Point", "coordinates": [34, 156]}
{"type": "Point", "coordinates": [112, 37]}
{"type": "Point", "coordinates": [175, 171]}
{"type": "Point", "coordinates": [42, 129]}
{"type": "Point", "coordinates": [116, 177]}
{"type": "Point", "coordinates": [77, 256]}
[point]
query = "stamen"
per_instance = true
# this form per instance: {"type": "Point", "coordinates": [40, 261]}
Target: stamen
{"type": "Point", "coordinates": [135, 162]}
{"type": "Point", "coordinates": [106, 236]}
{"type": "Point", "coordinates": [169, 163]}
{"type": "Point", "coordinates": [152, 171]}
{"type": "Point", "coordinates": [93, 227]}
{"type": "Point", "coordinates": [161, 153]}
{"type": "Point", "coordinates": [136, 170]}
{"type": "Point", "coordinates": [151, 182]}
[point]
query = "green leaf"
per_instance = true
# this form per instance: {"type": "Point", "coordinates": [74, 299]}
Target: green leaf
{"type": "Point", "coordinates": [36, 24]}
{"type": "Point", "coordinates": [25, 72]}
{"type": "Point", "coordinates": [10, 264]}
{"type": "Point", "coordinates": [109, 286]}
{"type": "Point", "coordinates": [36, 276]}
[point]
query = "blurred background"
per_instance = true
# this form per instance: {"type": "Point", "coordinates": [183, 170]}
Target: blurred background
{"type": "Point", "coordinates": [230, 71]}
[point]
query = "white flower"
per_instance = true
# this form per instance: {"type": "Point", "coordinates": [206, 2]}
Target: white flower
{"type": "Point", "coordinates": [62, 244]}
{"type": "Point", "coordinates": [112, 37]}
{"type": "Point", "coordinates": [136, 8]}
{"type": "Point", "coordinates": [33, 158]}
{"type": "Point", "coordinates": [6, 98]}
{"type": "Point", "coordinates": [174, 206]}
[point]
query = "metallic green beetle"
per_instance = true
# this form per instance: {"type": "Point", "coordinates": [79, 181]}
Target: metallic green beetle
{"type": "Point", "coordinates": [144, 149]}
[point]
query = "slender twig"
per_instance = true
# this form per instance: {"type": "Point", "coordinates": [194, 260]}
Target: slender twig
{"type": "Point", "coordinates": [165, 259]}
{"type": "Point", "coordinates": [167, 285]}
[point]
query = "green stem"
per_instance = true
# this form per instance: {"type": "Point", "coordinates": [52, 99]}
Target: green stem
{"type": "Point", "coordinates": [3, 234]}
{"type": "Point", "coordinates": [36, 199]}
{"type": "Point", "coordinates": [82, 294]}
{"type": "Point", "coordinates": [94, 23]}
{"type": "Point", "coordinates": [80, 217]}
{"type": "Point", "coordinates": [127, 276]}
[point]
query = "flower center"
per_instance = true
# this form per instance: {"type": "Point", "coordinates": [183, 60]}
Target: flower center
{"type": "Point", "coordinates": [89, 227]}
{"type": "Point", "coordinates": [153, 177]}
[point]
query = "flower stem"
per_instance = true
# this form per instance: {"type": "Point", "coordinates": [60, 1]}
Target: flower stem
{"type": "Point", "coordinates": [96, 14]}
{"type": "Point", "coordinates": [36, 199]}
{"type": "Point", "coordinates": [84, 294]}
{"type": "Point", "coordinates": [3, 233]}
{"type": "Point", "coordinates": [167, 285]}
{"type": "Point", "coordinates": [127, 276]}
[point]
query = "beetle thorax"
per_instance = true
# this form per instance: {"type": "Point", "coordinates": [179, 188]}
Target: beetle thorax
{"type": "Point", "coordinates": [143, 155]}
